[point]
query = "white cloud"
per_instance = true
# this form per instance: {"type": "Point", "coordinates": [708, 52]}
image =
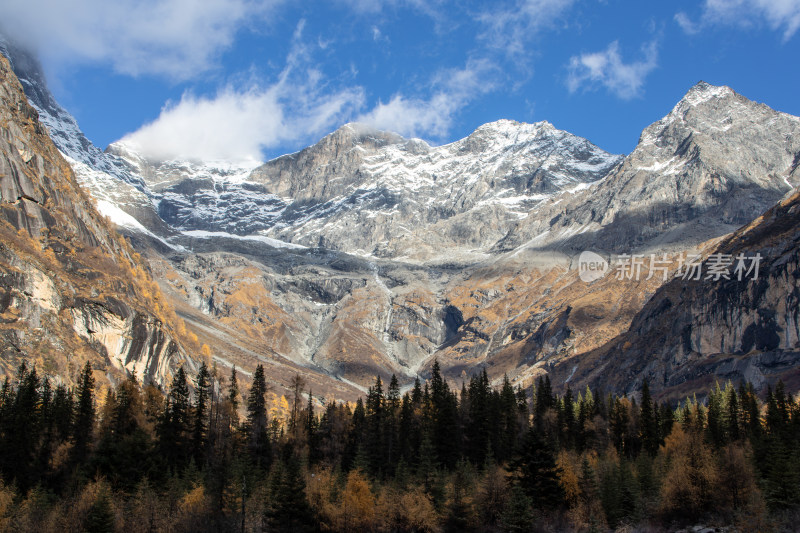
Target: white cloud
{"type": "Point", "coordinates": [238, 124]}
{"type": "Point", "coordinates": [686, 23]}
{"type": "Point", "coordinates": [512, 28]}
{"type": "Point", "coordinates": [779, 15]}
{"type": "Point", "coordinates": [176, 38]}
{"type": "Point", "coordinates": [606, 68]}
{"type": "Point", "coordinates": [433, 116]}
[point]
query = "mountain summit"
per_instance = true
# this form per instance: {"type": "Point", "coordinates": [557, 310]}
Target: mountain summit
{"type": "Point", "coordinates": [369, 253]}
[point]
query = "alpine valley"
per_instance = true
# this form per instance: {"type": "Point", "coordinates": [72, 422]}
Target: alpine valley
{"type": "Point", "coordinates": [371, 254]}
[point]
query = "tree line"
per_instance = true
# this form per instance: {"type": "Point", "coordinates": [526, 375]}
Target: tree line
{"type": "Point", "coordinates": [205, 455]}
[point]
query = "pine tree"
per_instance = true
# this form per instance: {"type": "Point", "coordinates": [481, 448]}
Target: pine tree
{"type": "Point", "coordinates": [297, 385]}
{"type": "Point", "coordinates": [22, 429]}
{"type": "Point", "coordinates": [567, 415]}
{"type": "Point", "coordinates": [288, 508]}
{"type": "Point", "coordinates": [233, 394]}
{"type": "Point", "coordinates": [312, 438]}
{"type": "Point", "coordinates": [517, 515]}
{"type": "Point", "coordinates": [83, 427]}
{"type": "Point", "coordinates": [733, 429]}
{"type": "Point", "coordinates": [392, 415]}
{"type": "Point", "coordinates": [256, 424]}
{"type": "Point", "coordinates": [174, 431]}
{"type": "Point", "coordinates": [416, 392]}
{"type": "Point", "coordinates": [123, 454]}
{"type": "Point", "coordinates": [648, 422]}
{"type": "Point", "coordinates": [715, 425]}
{"type": "Point", "coordinates": [100, 518]}
{"type": "Point", "coordinates": [536, 472]}
{"type": "Point", "coordinates": [374, 442]}
{"type": "Point", "coordinates": [444, 417]}
{"type": "Point", "coordinates": [200, 418]}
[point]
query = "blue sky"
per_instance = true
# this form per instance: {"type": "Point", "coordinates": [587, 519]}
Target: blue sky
{"type": "Point", "coordinates": [240, 79]}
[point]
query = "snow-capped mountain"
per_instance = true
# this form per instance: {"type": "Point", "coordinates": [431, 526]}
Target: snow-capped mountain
{"type": "Point", "coordinates": [407, 198]}
{"type": "Point", "coordinates": [368, 253]}
{"type": "Point", "coordinates": [715, 162]}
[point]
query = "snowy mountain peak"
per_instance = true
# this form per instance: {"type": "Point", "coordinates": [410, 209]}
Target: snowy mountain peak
{"type": "Point", "coordinates": [702, 91]}
{"type": "Point", "coordinates": [508, 127]}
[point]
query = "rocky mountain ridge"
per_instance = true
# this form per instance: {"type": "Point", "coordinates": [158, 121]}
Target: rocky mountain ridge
{"type": "Point", "coordinates": [368, 253]}
{"type": "Point", "coordinates": [401, 194]}
{"type": "Point", "coordinates": [714, 163]}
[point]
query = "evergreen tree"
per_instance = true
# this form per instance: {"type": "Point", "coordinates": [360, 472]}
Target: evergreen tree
{"type": "Point", "coordinates": [733, 428]}
{"type": "Point", "coordinates": [83, 427]}
{"type": "Point", "coordinates": [297, 385]}
{"type": "Point", "coordinates": [123, 453]}
{"type": "Point", "coordinates": [100, 518]}
{"type": "Point", "coordinates": [444, 417]}
{"type": "Point", "coordinates": [391, 438]}
{"type": "Point", "coordinates": [618, 422]}
{"type": "Point", "coordinates": [256, 424]}
{"type": "Point", "coordinates": [174, 431]}
{"type": "Point", "coordinates": [201, 407]}
{"type": "Point", "coordinates": [715, 425]}
{"type": "Point", "coordinates": [312, 437]}
{"type": "Point", "coordinates": [536, 472]}
{"type": "Point", "coordinates": [373, 438]}
{"type": "Point", "coordinates": [233, 394]}
{"type": "Point", "coordinates": [287, 508]}
{"type": "Point", "coordinates": [517, 515]}
{"type": "Point", "coordinates": [648, 422]}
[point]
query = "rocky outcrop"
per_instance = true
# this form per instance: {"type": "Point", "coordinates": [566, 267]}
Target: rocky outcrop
{"type": "Point", "coordinates": [70, 288]}
{"type": "Point", "coordinates": [694, 332]}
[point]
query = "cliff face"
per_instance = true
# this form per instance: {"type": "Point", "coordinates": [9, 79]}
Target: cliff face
{"type": "Point", "coordinates": [694, 332]}
{"type": "Point", "coordinates": [71, 289]}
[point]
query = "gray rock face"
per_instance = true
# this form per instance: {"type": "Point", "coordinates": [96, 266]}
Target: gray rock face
{"type": "Point", "coordinates": [117, 185]}
{"type": "Point", "coordinates": [715, 162]}
{"type": "Point", "coordinates": [61, 126]}
{"type": "Point", "coordinates": [693, 332]}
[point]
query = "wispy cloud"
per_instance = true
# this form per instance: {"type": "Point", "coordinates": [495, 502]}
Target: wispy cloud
{"type": "Point", "coordinates": [433, 116]}
{"type": "Point", "coordinates": [179, 39]}
{"type": "Point", "coordinates": [512, 27]}
{"type": "Point", "coordinates": [779, 15]}
{"type": "Point", "coordinates": [239, 123]}
{"type": "Point", "coordinates": [376, 6]}
{"type": "Point", "coordinates": [607, 69]}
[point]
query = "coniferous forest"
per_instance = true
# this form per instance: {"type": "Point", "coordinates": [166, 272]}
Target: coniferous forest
{"type": "Point", "coordinates": [205, 455]}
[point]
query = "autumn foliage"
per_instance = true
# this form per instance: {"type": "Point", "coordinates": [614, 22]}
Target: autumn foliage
{"type": "Point", "coordinates": [205, 455]}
